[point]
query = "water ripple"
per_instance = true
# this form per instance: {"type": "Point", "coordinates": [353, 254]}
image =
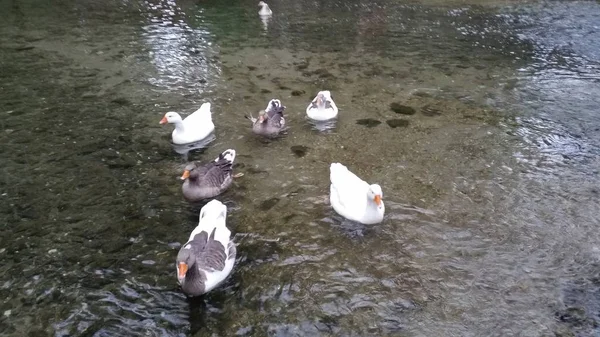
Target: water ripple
{"type": "Point", "coordinates": [135, 308]}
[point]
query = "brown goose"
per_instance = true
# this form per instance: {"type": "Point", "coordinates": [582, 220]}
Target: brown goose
{"type": "Point", "coordinates": [209, 255]}
{"type": "Point", "coordinates": [270, 122]}
{"type": "Point", "coordinates": [210, 180]}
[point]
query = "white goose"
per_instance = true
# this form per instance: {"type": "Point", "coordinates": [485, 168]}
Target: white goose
{"type": "Point", "coordinates": [353, 198]}
{"type": "Point", "coordinates": [264, 9]}
{"type": "Point", "coordinates": [322, 107]}
{"type": "Point", "coordinates": [209, 255]}
{"type": "Point", "coordinates": [193, 128]}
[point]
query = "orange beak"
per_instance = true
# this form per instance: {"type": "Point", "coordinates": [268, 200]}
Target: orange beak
{"type": "Point", "coordinates": [182, 269]}
{"type": "Point", "coordinates": [378, 200]}
{"type": "Point", "coordinates": [163, 120]}
{"type": "Point", "coordinates": [185, 175]}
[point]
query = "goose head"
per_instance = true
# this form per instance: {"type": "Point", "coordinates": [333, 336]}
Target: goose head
{"type": "Point", "coordinates": [262, 116]}
{"type": "Point", "coordinates": [321, 100]}
{"type": "Point", "coordinates": [189, 171]}
{"type": "Point", "coordinates": [171, 118]}
{"type": "Point", "coordinates": [375, 194]}
{"type": "Point", "coordinates": [185, 260]}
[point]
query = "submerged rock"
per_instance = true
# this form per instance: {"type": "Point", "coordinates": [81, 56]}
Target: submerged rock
{"type": "Point", "coordinates": [122, 163]}
{"type": "Point", "coordinates": [430, 112]}
{"type": "Point", "coordinates": [121, 101]}
{"type": "Point", "coordinates": [254, 170]}
{"type": "Point", "coordinates": [422, 94]}
{"type": "Point", "coordinates": [397, 123]}
{"type": "Point", "coordinates": [302, 65]}
{"type": "Point", "coordinates": [298, 92]}
{"type": "Point", "coordinates": [368, 122]}
{"type": "Point", "coordinates": [323, 73]}
{"type": "Point", "coordinates": [373, 72]}
{"type": "Point", "coordinates": [299, 150]}
{"type": "Point", "coordinates": [268, 204]}
{"type": "Point", "coordinates": [402, 109]}
{"type": "Point", "coordinates": [23, 48]}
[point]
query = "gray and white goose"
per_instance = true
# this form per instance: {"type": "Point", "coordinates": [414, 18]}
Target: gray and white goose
{"type": "Point", "coordinates": [208, 257]}
{"type": "Point", "coordinates": [270, 122]}
{"type": "Point", "coordinates": [209, 180]}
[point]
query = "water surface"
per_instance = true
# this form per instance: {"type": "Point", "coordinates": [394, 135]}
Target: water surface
{"type": "Point", "coordinates": [489, 171]}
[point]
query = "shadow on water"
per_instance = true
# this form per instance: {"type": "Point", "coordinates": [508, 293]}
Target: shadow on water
{"type": "Point", "coordinates": [479, 120]}
{"type": "Point", "coordinates": [352, 229]}
{"type": "Point", "coordinates": [199, 146]}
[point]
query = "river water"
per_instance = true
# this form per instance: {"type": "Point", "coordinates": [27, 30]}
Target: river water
{"type": "Point", "coordinates": [489, 171]}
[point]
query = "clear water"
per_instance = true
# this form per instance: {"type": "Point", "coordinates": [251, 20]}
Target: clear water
{"type": "Point", "coordinates": [491, 186]}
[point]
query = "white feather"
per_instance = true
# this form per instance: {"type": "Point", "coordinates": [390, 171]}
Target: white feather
{"type": "Point", "coordinates": [350, 196]}
{"type": "Point", "coordinates": [319, 113]}
{"type": "Point", "coordinates": [213, 215]}
{"type": "Point", "coordinates": [228, 155]}
{"type": "Point", "coordinates": [194, 127]}
{"type": "Point", "coordinates": [213, 279]}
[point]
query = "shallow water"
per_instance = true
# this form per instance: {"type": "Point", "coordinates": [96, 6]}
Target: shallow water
{"type": "Point", "coordinates": [490, 181]}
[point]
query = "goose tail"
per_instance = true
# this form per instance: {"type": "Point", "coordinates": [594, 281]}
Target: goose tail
{"type": "Point", "coordinates": [204, 111]}
{"type": "Point", "coordinates": [226, 156]}
{"type": "Point", "coordinates": [337, 174]}
{"type": "Point", "coordinates": [250, 118]}
{"type": "Point", "coordinates": [212, 218]}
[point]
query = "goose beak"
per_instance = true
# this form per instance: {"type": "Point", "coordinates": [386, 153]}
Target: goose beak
{"type": "Point", "coordinates": [378, 200]}
{"type": "Point", "coordinates": [185, 175]}
{"type": "Point", "coordinates": [182, 269]}
{"type": "Point", "coordinates": [163, 120]}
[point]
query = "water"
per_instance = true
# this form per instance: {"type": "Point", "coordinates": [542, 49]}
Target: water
{"type": "Point", "coordinates": [490, 182]}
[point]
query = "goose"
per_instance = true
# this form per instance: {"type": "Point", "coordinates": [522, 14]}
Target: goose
{"type": "Point", "coordinates": [207, 258]}
{"type": "Point", "coordinates": [193, 128]}
{"type": "Point", "coordinates": [270, 122]}
{"type": "Point", "coordinates": [322, 107]}
{"type": "Point", "coordinates": [264, 9]}
{"type": "Point", "coordinates": [353, 198]}
{"type": "Point", "coordinates": [207, 181]}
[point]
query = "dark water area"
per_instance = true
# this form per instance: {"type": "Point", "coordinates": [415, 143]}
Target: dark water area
{"type": "Point", "coordinates": [479, 119]}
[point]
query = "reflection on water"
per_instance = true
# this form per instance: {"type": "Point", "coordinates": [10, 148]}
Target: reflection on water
{"type": "Point", "coordinates": [322, 126]}
{"type": "Point", "coordinates": [265, 19]}
{"type": "Point", "coordinates": [185, 149]}
{"type": "Point", "coordinates": [184, 57]}
{"type": "Point", "coordinates": [489, 163]}
{"type": "Point", "coordinates": [559, 88]}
